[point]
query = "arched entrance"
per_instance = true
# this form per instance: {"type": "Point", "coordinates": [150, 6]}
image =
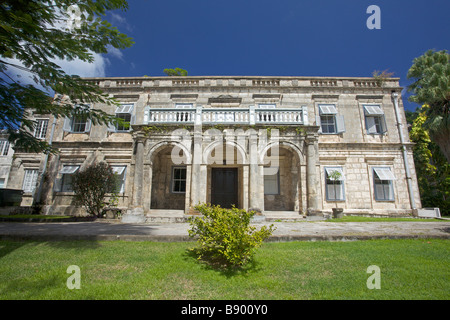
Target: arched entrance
{"type": "Point", "coordinates": [282, 178]}
{"type": "Point", "coordinates": [170, 177]}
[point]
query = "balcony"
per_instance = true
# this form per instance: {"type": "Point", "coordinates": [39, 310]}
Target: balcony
{"type": "Point", "coordinates": [246, 116]}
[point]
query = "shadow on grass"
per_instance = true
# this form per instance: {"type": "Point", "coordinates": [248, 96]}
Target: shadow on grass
{"type": "Point", "coordinates": [220, 265]}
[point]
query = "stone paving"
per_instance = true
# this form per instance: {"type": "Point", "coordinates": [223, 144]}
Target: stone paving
{"type": "Point", "coordinates": [285, 231]}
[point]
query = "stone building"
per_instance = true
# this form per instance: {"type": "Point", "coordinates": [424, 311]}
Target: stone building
{"type": "Point", "coordinates": [299, 145]}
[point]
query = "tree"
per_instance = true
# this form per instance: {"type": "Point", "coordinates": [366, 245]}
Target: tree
{"type": "Point", "coordinates": [431, 86]}
{"type": "Point", "coordinates": [432, 169]}
{"type": "Point", "coordinates": [32, 34]}
{"type": "Point", "coordinates": [91, 186]}
{"type": "Point", "coordinates": [176, 72]}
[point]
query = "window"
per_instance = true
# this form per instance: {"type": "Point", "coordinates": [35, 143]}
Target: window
{"type": "Point", "coordinates": [179, 179]}
{"type": "Point", "coordinates": [329, 120]}
{"type": "Point", "coordinates": [2, 183]}
{"type": "Point", "coordinates": [4, 147]}
{"type": "Point", "coordinates": [375, 120]}
{"type": "Point", "coordinates": [334, 183]}
{"type": "Point", "coordinates": [383, 184]}
{"type": "Point", "coordinates": [124, 112]}
{"type": "Point", "coordinates": [77, 125]}
{"type": "Point", "coordinates": [30, 180]}
{"type": "Point", "coordinates": [120, 172]}
{"type": "Point", "coordinates": [271, 180]}
{"type": "Point", "coordinates": [40, 130]}
{"type": "Point", "coordinates": [66, 178]}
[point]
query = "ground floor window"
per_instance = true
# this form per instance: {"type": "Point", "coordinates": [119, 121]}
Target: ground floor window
{"type": "Point", "coordinates": [66, 179]}
{"type": "Point", "coordinates": [383, 184]}
{"type": "Point", "coordinates": [334, 181]}
{"type": "Point", "coordinates": [271, 180]}
{"type": "Point", "coordinates": [30, 180]}
{"type": "Point", "coordinates": [178, 179]}
{"type": "Point", "coordinates": [120, 172]}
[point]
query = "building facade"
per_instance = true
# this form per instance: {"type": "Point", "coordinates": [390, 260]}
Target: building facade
{"type": "Point", "coordinates": [272, 144]}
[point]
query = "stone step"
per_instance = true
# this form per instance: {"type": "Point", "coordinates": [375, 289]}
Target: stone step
{"type": "Point", "coordinates": [283, 216]}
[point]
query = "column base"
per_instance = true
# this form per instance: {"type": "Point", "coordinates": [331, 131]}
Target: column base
{"type": "Point", "coordinates": [135, 215]}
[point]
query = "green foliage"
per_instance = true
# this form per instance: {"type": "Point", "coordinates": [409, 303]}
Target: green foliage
{"type": "Point", "coordinates": [33, 33]}
{"type": "Point", "coordinates": [225, 235]}
{"type": "Point", "coordinates": [381, 76]}
{"type": "Point", "coordinates": [431, 86]}
{"type": "Point", "coordinates": [91, 186]}
{"type": "Point", "coordinates": [432, 169]}
{"type": "Point", "coordinates": [176, 72]}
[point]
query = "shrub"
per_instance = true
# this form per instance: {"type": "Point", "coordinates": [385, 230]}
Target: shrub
{"type": "Point", "coordinates": [91, 186]}
{"type": "Point", "coordinates": [225, 235]}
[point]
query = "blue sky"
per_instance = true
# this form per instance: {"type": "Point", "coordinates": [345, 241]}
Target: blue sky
{"type": "Point", "coordinates": [276, 38]}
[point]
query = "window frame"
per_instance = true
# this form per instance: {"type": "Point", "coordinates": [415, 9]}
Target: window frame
{"type": "Point", "coordinates": [65, 177]}
{"type": "Point", "coordinates": [30, 187]}
{"type": "Point", "coordinates": [371, 112]}
{"type": "Point", "coordinates": [383, 183]}
{"type": "Point", "coordinates": [4, 147]}
{"type": "Point", "coordinates": [276, 179]}
{"type": "Point", "coordinates": [173, 179]}
{"type": "Point", "coordinates": [330, 182]}
{"type": "Point", "coordinates": [123, 175]}
{"type": "Point", "coordinates": [39, 131]}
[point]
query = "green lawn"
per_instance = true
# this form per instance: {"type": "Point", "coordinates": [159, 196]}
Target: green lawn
{"type": "Point", "coordinates": [410, 269]}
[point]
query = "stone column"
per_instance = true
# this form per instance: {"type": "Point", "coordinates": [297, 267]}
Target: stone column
{"type": "Point", "coordinates": [311, 179]}
{"type": "Point", "coordinates": [136, 214]}
{"type": "Point", "coordinates": [198, 175]}
{"type": "Point", "coordinates": [256, 199]}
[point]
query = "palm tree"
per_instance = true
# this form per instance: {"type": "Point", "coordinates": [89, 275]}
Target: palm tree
{"type": "Point", "coordinates": [431, 87]}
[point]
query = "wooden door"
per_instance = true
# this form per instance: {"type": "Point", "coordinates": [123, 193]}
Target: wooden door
{"type": "Point", "coordinates": [224, 187]}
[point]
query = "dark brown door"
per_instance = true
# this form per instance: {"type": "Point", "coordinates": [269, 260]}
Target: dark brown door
{"type": "Point", "coordinates": [224, 187]}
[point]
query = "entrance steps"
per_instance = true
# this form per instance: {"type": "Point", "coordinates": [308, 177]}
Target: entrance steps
{"type": "Point", "coordinates": [283, 216]}
{"type": "Point", "coordinates": [178, 216]}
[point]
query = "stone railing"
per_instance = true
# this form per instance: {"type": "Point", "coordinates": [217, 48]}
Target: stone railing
{"type": "Point", "coordinates": [250, 116]}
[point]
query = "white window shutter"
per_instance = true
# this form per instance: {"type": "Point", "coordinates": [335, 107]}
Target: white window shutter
{"type": "Point", "coordinates": [383, 124]}
{"type": "Point", "coordinates": [58, 183]}
{"type": "Point", "coordinates": [67, 124]}
{"type": "Point", "coordinates": [340, 124]}
{"type": "Point", "coordinates": [88, 125]}
{"type": "Point", "coordinates": [112, 127]}
{"type": "Point", "coordinates": [318, 123]}
{"type": "Point", "coordinates": [370, 125]}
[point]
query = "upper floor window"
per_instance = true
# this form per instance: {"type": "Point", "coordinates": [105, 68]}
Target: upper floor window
{"type": "Point", "coordinates": [4, 147]}
{"type": "Point", "coordinates": [334, 181]}
{"type": "Point", "coordinates": [383, 184]}
{"type": "Point", "coordinates": [124, 112]}
{"type": "Point", "coordinates": [77, 125]}
{"type": "Point", "coordinates": [40, 131]}
{"type": "Point", "coordinates": [375, 120]}
{"type": "Point", "coordinates": [329, 120]}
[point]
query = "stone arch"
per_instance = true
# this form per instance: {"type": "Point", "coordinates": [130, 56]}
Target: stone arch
{"type": "Point", "coordinates": [288, 144]}
{"type": "Point", "coordinates": [164, 144]}
{"type": "Point", "coordinates": [287, 195]}
{"type": "Point", "coordinates": [241, 151]}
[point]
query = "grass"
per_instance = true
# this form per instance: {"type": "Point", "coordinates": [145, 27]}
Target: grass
{"type": "Point", "coordinates": [410, 269]}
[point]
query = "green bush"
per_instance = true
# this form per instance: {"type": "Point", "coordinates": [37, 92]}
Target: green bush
{"type": "Point", "coordinates": [225, 235]}
{"type": "Point", "coordinates": [91, 186]}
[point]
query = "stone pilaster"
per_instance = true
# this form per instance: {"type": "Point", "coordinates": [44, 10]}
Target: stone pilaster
{"type": "Point", "coordinates": [136, 213]}
{"type": "Point", "coordinates": [312, 186]}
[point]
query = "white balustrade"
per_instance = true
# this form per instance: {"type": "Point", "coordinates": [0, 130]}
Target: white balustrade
{"type": "Point", "coordinates": [249, 116]}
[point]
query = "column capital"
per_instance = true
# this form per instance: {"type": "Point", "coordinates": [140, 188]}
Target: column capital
{"type": "Point", "coordinates": [139, 136]}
